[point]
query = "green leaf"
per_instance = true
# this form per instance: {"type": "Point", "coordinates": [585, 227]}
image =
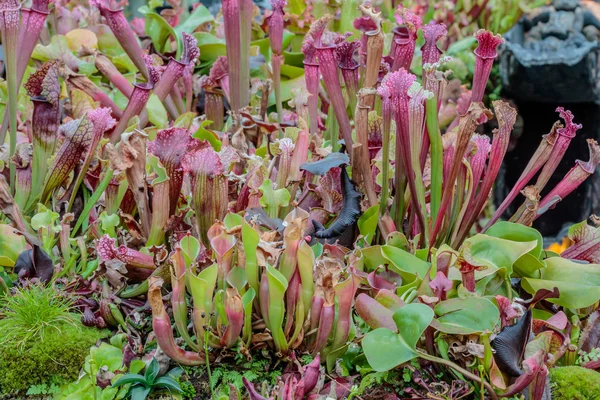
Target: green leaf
{"type": "Point", "coordinates": [517, 233]}
{"type": "Point", "coordinates": [529, 264]}
{"type": "Point", "coordinates": [579, 284]}
{"type": "Point", "coordinates": [11, 245]}
{"type": "Point", "coordinates": [152, 371]}
{"type": "Point", "coordinates": [107, 356]}
{"type": "Point", "coordinates": [287, 86]}
{"type": "Point", "coordinates": [136, 366]}
{"type": "Point", "coordinates": [156, 112]}
{"type": "Point", "coordinates": [45, 218]}
{"type": "Point", "coordinates": [386, 350]}
{"type": "Point", "coordinates": [135, 379]}
{"type": "Point", "coordinates": [154, 165]}
{"type": "Point", "coordinates": [160, 31]}
{"type": "Point", "coordinates": [168, 383]}
{"type": "Point", "coordinates": [404, 263]}
{"type": "Point", "coordinates": [204, 134]}
{"type": "Point", "coordinates": [493, 253]}
{"type": "Point", "coordinates": [367, 223]}
{"type": "Point", "coordinates": [273, 199]}
{"type": "Point", "coordinates": [211, 47]}
{"type": "Point", "coordinates": [190, 246]}
{"type": "Point", "coordinates": [139, 392]}
{"type": "Point", "coordinates": [232, 220]}
{"type": "Point", "coordinates": [198, 17]}
{"type": "Point", "coordinates": [466, 316]}
{"type": "Point", "coordinates": [250, 240]}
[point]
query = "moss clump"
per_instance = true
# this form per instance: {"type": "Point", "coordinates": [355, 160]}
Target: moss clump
{"type": "Point", "coordinates": [55, 359]}
{"type": "Point", "coordinates": [41, 340]}
{"type": "Point", "coordinates": [575, 383]}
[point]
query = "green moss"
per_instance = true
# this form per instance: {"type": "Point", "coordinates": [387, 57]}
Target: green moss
{"type": "Point", "coordinates": [55, 359]}
{"type": "Point", "coordinates": [575, 383]}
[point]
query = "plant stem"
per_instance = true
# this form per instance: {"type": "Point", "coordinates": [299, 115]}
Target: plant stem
{"type": "Point", "coordinates": [93, 199]}
{"type": "Point", "coordinates": [385, 166]}
{"type": "Point", "coordinates": [212, 393]}
{"type": "Point", "coordinates": [437, 160]}
{"type": "Point", "coordinates": [463, 371]}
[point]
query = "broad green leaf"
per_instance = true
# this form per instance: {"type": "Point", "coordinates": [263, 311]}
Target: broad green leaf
{"type": "Point", "coordinates": [45, 218]}
{"type": "Point", "coordinates": [202, 287]}
{"type": "Point", "coordinates": [160, 31]}
{"type": "Point", "coordinates": [190, 246]}
{"type": "Point", "coordinates": [211, 137]}
{"type": "Point", "coordinates": [277, 287]}
{"type": "Point", "coordinates": [153, 165]}
{"type": "Point", "coordinates": [465, 316]}
{"type": "Point", "coordinates": [232, 220]}
{"type": "Point", "coordinates": [198, 17]}
{"type": "Point", "coordinates": [272, 199]}
{"type": "Point", "coordinates": [404, 263]}
{"type": "Point", "coordinates": [371, 257]}
{"type": "Point", "coordinates": [386, 350]}
{"type": "Point", "coordinates": [264, 45]}
{"type": "Point", "coordinates": [367, 223]}
{"type": "Point", "coordinates": [250, 240]}
{"type": "Point", "coordinates": [517, 233]}
{"type": "Point", "coordinates": [185, 120]}
{"type": "Point", "coordinates": [11, 245]}
{"type": "Point", "coordinates": [211, 47]}
{"type": "Point", "coordinates": [529, 264]}
{"type": "Point", "coordinates": [156, 112]}
{"type": "Point", "coordinates": [492, 253]}
{"type": "Point", "coordinates": [286, 89]}
{"type": "Point", "coordinates": [152, 371]}
{"type": "Point", "coordinates": [237, 278]}
{"type": "Point", "coordinates": [579, 284]}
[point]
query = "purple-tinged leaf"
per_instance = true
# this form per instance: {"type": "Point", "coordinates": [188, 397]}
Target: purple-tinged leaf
{"type": "Point", "coordinates": [163, 331]}
{"type": "Point", "coordinates": [507, 311]}
{"type": "Point", "coordinates": [78, 136]}
{"type": "Point", "coordinates": [10, 15]}
{"type": "Point", "coordinates": [440, 285]}
{"type": "Point", "coordinates": [571, 181]}
{"type": "Point", "coordinates": [344, 293]}
{"type": "Point", "coordinates": [506, 116]}
{"type": "Point", "coordinates": [107, 250]}
{"type": "Point", "coordinates": [565, 135]}
{"type": "Point", "coordinates": [432, 32]}
{"type": "Point", "coordinates": [137, 102]}
{"type": "Point", "coordinates": [276, 25]}
{"type": "Point", "coordinates": [404, 41]}
{"type": "Point", "coordinates": [329, 71]}
{"type": "Point", "coordinates": [254, 395]}
{"type": "Point", "coordinates": [175, 70]}
{"type": "Point", "coordinates": [537, 161]}
{"type": "Point", "coordinates": [120, 27]}
{"type": "Point", "coordinates": [326, 320]}
{"type": "Point", "coordinates": [532, 366]}
{"type": "Point", "coordinates": [310, 376]}
{"type": "Point", "coordinates": [84, 84]}
{"type": "Point", "coordinates": [170, 146]}
{"type": "Point", "coordinates": [485, 54]}
{"type": "Point", "coordinates": [374, 314]}
{"type": "Point", "coordinates": [349, 66]}
{"type": "Point", "coordinates": [210, 196]}
{"type": "Point", "coordinates": [235, 318]}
